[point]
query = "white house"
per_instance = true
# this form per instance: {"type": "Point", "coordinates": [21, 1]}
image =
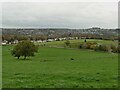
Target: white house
{"type": "Point", "coordinates": [3, 43]}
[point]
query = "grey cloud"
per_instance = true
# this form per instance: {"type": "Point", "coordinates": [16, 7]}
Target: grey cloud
{"type": "Point", "coordinates": [66, 15]}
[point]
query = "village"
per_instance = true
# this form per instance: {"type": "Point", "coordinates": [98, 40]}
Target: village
{"type": "Point", "coordinates": [37, 35]}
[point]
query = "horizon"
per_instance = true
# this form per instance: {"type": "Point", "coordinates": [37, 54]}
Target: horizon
{"type": "Point", "coordinates": [51, 28]}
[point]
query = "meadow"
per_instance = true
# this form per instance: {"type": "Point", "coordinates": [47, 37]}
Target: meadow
{"type": "Point", "coordinates": [60, 68]}
{"type": "Point", "coordinates": [76, 43]}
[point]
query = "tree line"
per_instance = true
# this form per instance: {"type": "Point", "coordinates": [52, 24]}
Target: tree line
{"type": "Point", "coordinates": [11, 38]}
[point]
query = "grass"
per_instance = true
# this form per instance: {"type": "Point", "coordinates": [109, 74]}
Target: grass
{"type": "Point", "coordinates": [53, 68]}
{"type": "Point", "coordinates": [76, 43]}
{"type": "Point", "coordinates": [0, 67]}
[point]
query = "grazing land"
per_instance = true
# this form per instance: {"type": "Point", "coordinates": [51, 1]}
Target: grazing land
{"type": "Point", "coordinates": [61, 68]}
{"type": "Point", "coordinates": [76, 43]}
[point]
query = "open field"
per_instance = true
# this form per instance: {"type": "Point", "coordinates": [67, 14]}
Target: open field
{"type": "Point", "coordinates": [53, 68]}
{"type": "Point", "coordinates": [76, 43]}
{"type": "Point", "coordinates": [59, 45]}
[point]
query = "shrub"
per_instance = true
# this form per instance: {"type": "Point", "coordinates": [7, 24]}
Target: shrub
{"type": "Point", "coordinates": [102, 48]}
{"type": "Point", "coordinates": [85, 46]}
{"type": "Point", "coordinates": [88, 45]}
{"type": "Point", "coordinates": [93, 47]}
{"type": "Point", "coordinates": [114, 48]}
{"type": "Point", "coordinates": [118, 49]}
{"type": "Point", "coordinates": [96, 48]}
{"type": "Point", "coordinates": [67, 43]}
{"type": "Point", "coordinates": [80, 46]}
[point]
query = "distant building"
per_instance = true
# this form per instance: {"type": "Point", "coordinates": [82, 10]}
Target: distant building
{"type": "Point", "coordinates": [4, 43]}
{"type": "Point", "coordinates": [50, 40]}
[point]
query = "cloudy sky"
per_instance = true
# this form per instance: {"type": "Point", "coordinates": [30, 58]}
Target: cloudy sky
{"type": "Point", "coordinates": [60, 15]}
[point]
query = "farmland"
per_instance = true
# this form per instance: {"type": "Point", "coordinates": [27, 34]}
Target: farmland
{"type": "Point", "coordinates": [61, 67]}
{"type": "Point", "coordinates": [77, 42]}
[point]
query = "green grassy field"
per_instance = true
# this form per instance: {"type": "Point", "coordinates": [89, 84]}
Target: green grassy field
{"type": "Point", "coordinates": [0, 67]}
{"type": "Point", "coordinates": [53, 68]}
{"type": "Point", "coordinates": [76, 43]}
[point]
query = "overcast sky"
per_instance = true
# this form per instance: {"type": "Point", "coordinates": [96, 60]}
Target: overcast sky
{"type": "Point", "coordinates": [60, 15]}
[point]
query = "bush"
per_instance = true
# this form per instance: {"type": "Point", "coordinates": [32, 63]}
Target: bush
{"type": "Point", "coordinates": [80, 46]}
{"type": "Point", "coordinates": [96, 48]}
{"type": "Point", "coordinates": [114, 48]}
{"type": "Point", "coordinates": [93, 47]}
{"type": "Point", "coordinates": [117, 50]}
{"type": "Point", "coordinates": [88, 45]}
{"type": "Point", "coordinates": [102, 48]}
{"type": "Point", "coordinates": [67, 43]}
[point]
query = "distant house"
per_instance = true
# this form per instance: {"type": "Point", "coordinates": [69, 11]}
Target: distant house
{"type": "Point", "coordinates": [56, 39]}
{"type": "Point", "coordinates": [39, 41]}
{"type": "Point", "coordinates": [3, 43]}
{"type": "Point", "coordinates": [50, 40]}
{"type": "Point", "coordinates": [15, 42]}
{"type": "Point", "coordinates": [9, 43]}
{"type": "Point", "coordinates": [44, 41]}
{"type": "Point", "coordinates": [62, 38]}
{"type": "Point", "coordinates": [76, 38]}
{"type": "Point", "coordinates": [83, 37]}
{"type": "Point", "coordinates": [71, 38]}
{"type": "Point", "coordinates": [32, 41]}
